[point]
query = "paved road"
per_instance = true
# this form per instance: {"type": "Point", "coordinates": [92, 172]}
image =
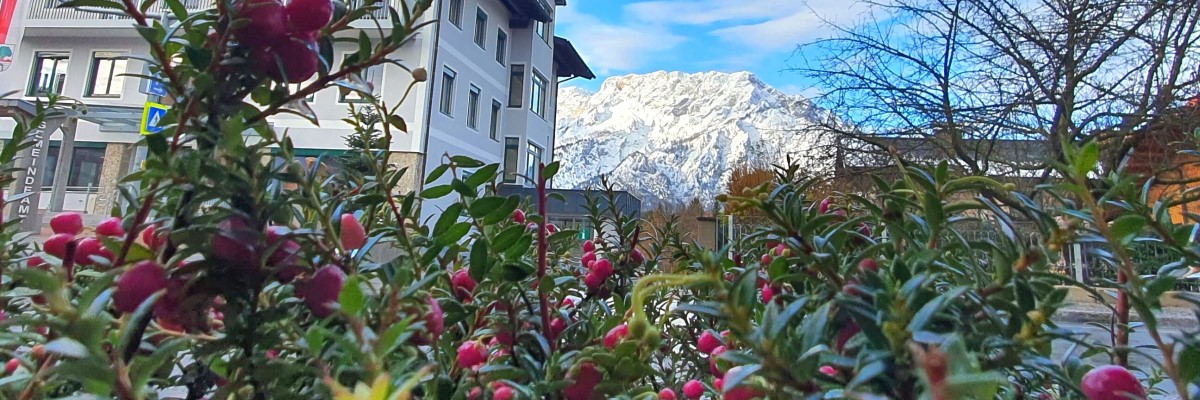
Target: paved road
{"type": "Point", "coordinates": [1138, 338]}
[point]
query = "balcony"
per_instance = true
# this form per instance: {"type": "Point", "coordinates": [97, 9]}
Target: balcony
{"type": "Point", "coordinates": [47, 10]}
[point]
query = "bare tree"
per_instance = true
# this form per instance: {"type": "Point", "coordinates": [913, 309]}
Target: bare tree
{"type": "Point", "coordinates": [972, 81]}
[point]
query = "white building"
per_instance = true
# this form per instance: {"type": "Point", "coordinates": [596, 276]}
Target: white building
{"type": "Point", "coordinates": [494, 68]}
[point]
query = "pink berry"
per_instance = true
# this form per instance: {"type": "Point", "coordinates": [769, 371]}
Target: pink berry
{"type": "Point", "coordinates": [593, 281]}
{"type": "Point", "coordinates": [707, 342]}
{"type": "Point", "coordinates": [768, 294]}
{"type": "Point", "coordinates": [557, 326]}
{"type": "Point", "coordinates": [828, 370]}
{"type": "Point", "coordinates": [11, 366]}
{"type": "Point", "coordinates": [868, 264]}
{"type": "Point", "coordinates": [616, 335]}
{"type": "Point", "coordinates": [353, 235]}
{"type": "Point", "coordinates": [518, 216]}
{"type": "Point", "coordinates": [844, 335]}
{"type": "Point", "coordinates": [532, 226]}
{"type": "Point", "coordinates": [766, 259]}
{"type": "Point", "coordinates": [503, 393]}
{"type": "Point", "coordinates": [1111, 382]}
{"type": "Point", "coordinates": [36, 262]}
{"type": "Point", "coordinates": [137, 284]}
{"type": "Point", "coordinates": [322, 292]}
{"type": "Point", "coordinates": [742, 393]}
{"type": "Point", "coordinates": [57, 245]}
{"type": "Point", "coordinates": [71, 223]}
{"type": "Point", "coordinates": [308, 15]}
{"type": "Point", "coordinates": [90, 247]}
{"type": "Point", "coordinates": [602, 267]}
{"type": "Point", "coordinates": [666, 394]}
{"type": "Point", "coordinates": [826, 203]}
{"type": "Point", "coordinates": [636, 257]}
{"type": "Point", "coordinates": [719, 384]}
{"type": "Point", "coordinates": [110, 227]}
{"type": "Point", "coordinates": [471, 353]}
{"type": "Point", "coordinates": [589, 246]}
{"type": "Point", "coordinates": [152, 238]}
{"type": "Point", "coordinates": [781, 250]}
{"type": "Point", "coordinates": [587, 258]}
{"type": "Point", "coordinates": [435, 320]}
{"type": "Point", "coordinates": [712, 362]}
{"type": "Point", "coordinates": [584, 384]}
{"type": "Point", "coordinates": [551, 229]}
{"type": "Point", "coordinates": [266, 22]}
{"type": "Point", "coordinates": [693, 389]}
{"type": "Point", "coordinates": [462, 284]}
{"type": "Point", "coordinates": [234, 243]}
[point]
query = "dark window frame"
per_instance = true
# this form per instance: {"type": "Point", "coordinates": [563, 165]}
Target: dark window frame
{"type": "Point", "coordinates": [63, 57]}
{"type": "Point", "coordinates": [94, 70]}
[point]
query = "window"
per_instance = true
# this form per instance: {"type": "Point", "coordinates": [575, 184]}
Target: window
{"type": "Point", "coordinates": [456, 7]}
{"type": "Point", "coordinates": [473, 108]}
{"type": "Point", "coordinates": [543, 31]}
{"type": "Point", "coordinates": [501, 46]}
{"type": "Point", "coordinates": [537, 95]}
{"type": "Point", "coordinates": [447, 104]}
{"type": "Point", "coordinates": [49, 73]}
{"type": "Point", "coordinates": [108, 75]}
{"type": "Point", "coordinates": [480, 27]}
{"type": "Point", "coordinates": [495, 129]}
{"type": "Point", "coordinates": [86, 163]}
{"type": "Point", "coordinates": [370, 76]}
{"type": "Point", "coordinates": [516, 86]}
{"type": "Point", "coordinates": [512, 150]}
{"type": "Point", "coordinates": [531, 162]}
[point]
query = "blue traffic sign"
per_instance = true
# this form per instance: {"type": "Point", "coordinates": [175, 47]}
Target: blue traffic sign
{"type": "Point", "coordinates": [156, 88]}
{"type": "Point", "coordinates": [153, 116]}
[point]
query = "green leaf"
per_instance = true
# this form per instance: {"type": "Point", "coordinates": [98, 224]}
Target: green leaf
{"type": "Point", "coordinates": [508, 237]}
{"type": "Point", "coordinates": [867, 373]}
{"type": "Point", "coordinates": [485, 206]}
{"type": "Point", "coordinates": [454, 234]}
{"type": "Point", "coordinates": [437, 173]}
{"type": "Point", "coordinates": [395, 335]}
{"type": "Point", "coordinates": [1086, 161]}
{"type": "Point", "coordinates": [1125, 227]}
{"type": "Point", "coordinates": [479, 260]}
{"type": "Point", "coordinates": [448, 218]}
{"type": "Point", "coordinates": [398, 122]}
{"type": "Point", "coordinates": [520, 248]}
{"type": "Point", "coordinates": [466, 162]}
{"type": "Point", "coordinates": [436, 192]}
{"type": "Point", "coordinates": [504, 211]}
{"type": "Point", "coordinates": [550, 170]}
{"type": "Point", "coordinates": [483, 175]}
{"type": "Point", "coordinates": [91, 3]}
{"type": "Point", "coordinates": [352, 299]}
{"type": "Point", "coordinates": [67, 347]}
{"type": "Point", "coordinates": [1189, 363]}
{"type": "Point", "coordinates": [740, 374]}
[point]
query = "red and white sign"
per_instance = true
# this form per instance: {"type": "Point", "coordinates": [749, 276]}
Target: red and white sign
{"type": "Point", "coordinates": [7, 8]}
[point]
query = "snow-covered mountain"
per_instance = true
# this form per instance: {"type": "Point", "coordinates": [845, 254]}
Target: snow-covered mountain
{"type": "Point", "coordinates": [670, 137]}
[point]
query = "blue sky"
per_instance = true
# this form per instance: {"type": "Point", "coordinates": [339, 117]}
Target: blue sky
{"type": "Point", "coordinates": [618, 37]}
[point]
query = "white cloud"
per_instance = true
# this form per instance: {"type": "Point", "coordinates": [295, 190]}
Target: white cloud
{"type": "Point", "coordinates": [609, 47]}
{"type": "Point", "coordinates": [704, 12]}
{"type": "Point", "coordinates": [787, 30]}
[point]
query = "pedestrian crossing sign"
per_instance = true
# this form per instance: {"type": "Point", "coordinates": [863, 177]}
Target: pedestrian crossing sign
{"type": "Point", "coordinates": [153, 116]}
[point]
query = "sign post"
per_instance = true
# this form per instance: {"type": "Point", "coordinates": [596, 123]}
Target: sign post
{"type": "Point", "coordinates": [29, 177]}
{"type": "Point", "coordinates": [153, 115]}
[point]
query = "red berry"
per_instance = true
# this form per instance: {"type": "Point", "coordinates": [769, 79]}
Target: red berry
{"type": "Point", "coordinates": [518, 216]}
{"type": "Point", "coordinates": [531, 226]}
{"type": "Point", "coordinates": [587, 258]}
{"type": "Point", "coordinates": [71, 223]}
{"type": "Point", "coordinates": [616, 335]}
{"type": "Point", "coordinates": [781, 250]}
{"type": "Point", "coordinates": [551, 229]}
{"type": "Point", "coordinates": [503, 393]}
{"type": "Point", "coordinates": [152, 238]}
{"type": "Point", "coordinates": [589, 246]}
{"type": "Point", "coordinates": [712, 362]}
{"type": "Point", "coordinates": [308, 15]}
{"type": "Point", "coordinates": [57, 245]}
{"type": "Point", "coordinates": [766, 259]}
{"type": "Point", "coordinates": [475, 393]}
{"type": "Point", "coordinates": [602, 267]}
{"type": "Point", "coordinates": [286, 252]}
{"type": "Point", "coordinates": [91, 247]}
{"type": "Point", "coordinates": [828, 370]}
{"type": "Point", "coordinates": [471, 354]}
{"type": "Point", "coordinates": [768, 294]}
{"type": "Point", "coordinates": [826, 203]}
{"type": "Point", "coordinates": [11, 366]}
{"type": "Point", "coordinates": [636, 257]}
{"type": "Point", "coordinates": [557, 326]}
{"type": "Point", "coordinates": [742, 393]}
{"type": "Point", "coordinates": [462, 284]}
{"type": "Point", "coordinates": [584, 384]}
{"type": "Point", "coordinates": [567, 303]}
{"type": "Point", "coordinates": [693, 389]}
{"type": "Point", "coordinates": [666, 394]}
{"type": "Point", "coordinates": [322, 292]}
{"type": "Point", "coordinates": [36, 262]}
{"type": "Point", "coordinates": [234, 243]}
{"type": "Point", "coordinates": [707, 342]}
{"type": "Point", "coordinates": [39, 352]}
{"type": "Point", "coordinates": [110, 227]}
{"type": "Point", "coordinates": [719, 384]}
{"type": "Point", "coordinates": [845, 334]}
{"type": "Point", "coordinates": [265, 23]}
{"type": "Point", "coordinates": [353, 235]}
{"type": "Point", "coordinates": [137, 284]}
{"type": "Point", "coordinates": [864, 229]}
{"type": "Point", "coordinates": [435, 320]}
{"type": "Point", "coordinates": [292, 60]}
{"type": "Point", "coordinates": [593, 281]}
{"type": "Point", "coordinates": [1112, 382]}
{"type": "Point", "coordinates": [868, 264]}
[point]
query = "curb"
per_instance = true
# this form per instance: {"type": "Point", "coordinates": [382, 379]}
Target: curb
{"type": "Point", "coordinates": [1170, 317]}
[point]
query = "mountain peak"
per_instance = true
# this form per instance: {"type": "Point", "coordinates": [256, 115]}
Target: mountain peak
{"type": "Point", "coordinates": [679, 135]}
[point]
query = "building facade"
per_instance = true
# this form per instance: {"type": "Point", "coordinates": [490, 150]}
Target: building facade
{"type": "Point", "coordinates": [494, 69]}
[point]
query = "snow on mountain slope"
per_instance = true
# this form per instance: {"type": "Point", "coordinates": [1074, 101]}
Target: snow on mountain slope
{"type": "Point", "coordinates": [669, 137]}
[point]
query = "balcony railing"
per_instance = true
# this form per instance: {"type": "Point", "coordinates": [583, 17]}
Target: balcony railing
{"type": "Point", "coordinates": [47, 9]}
